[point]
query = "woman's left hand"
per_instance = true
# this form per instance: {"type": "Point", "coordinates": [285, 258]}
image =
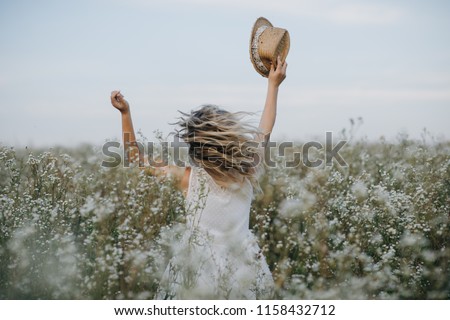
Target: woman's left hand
{"type": "Point", "coordinates": [278, 74]}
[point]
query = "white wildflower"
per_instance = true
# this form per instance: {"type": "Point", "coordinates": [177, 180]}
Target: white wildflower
{"type": "Point", "coordinates": [291, 208]}
{"type": "Point", "coordinates": [359, 189]}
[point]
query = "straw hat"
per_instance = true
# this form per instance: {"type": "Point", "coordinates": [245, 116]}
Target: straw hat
{"type": "Point", "coordinates": [266, 44]}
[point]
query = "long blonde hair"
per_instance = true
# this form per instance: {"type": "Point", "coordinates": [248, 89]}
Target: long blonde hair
{"type": "Point", "coordinates": [221, 143]}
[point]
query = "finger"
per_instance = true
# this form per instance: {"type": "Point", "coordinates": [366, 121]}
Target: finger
{"type": "Point", "coordinates": [117, 96]}
{"type": "Point", "coordinates": [120, 97]}
{"type": "Point", "coordinates": [113, 96]}
{"type": "Point", "coordinates": [284, 67]}
{"type": "Point", "coordinates": [279, 62]}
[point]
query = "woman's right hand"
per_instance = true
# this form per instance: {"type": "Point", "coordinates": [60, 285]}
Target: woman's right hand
{"type": "Point", "coordinates": [119, 102]}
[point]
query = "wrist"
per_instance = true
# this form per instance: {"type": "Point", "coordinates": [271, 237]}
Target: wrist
{"type": "Point", "coordinates": [273, 85]}
{"type": "Point", "coordinates": [125, 112]}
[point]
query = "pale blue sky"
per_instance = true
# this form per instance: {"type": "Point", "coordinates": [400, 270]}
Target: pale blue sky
{"type": "Point", "coordinates": [386, 61]}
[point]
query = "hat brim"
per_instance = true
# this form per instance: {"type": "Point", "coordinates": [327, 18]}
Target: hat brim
{"type": "Point", "coordinates": [261, 21]}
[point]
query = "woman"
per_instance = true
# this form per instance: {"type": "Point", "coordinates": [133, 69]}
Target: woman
{"type": "Point", "coordinates": [217, 256]}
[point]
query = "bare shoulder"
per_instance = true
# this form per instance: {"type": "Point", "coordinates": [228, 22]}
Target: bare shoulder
{"type": "Point", "coordinates": [181, 176]}
{"type": "Point", "coordinates": [184, 182]}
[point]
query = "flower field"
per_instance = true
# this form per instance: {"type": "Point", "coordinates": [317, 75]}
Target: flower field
{"type": "Point", "coordinates": [376, 229]}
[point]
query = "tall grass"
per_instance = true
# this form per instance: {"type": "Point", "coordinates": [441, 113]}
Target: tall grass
{"type": "Point", "coordinates": [377, 229]}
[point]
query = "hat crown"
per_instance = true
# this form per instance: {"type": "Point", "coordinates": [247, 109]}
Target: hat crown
{"type": "Point", "coordinates": [273, 42]}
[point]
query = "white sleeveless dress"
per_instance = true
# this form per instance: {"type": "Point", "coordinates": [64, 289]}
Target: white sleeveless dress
{"type": "Point", "coordinates": [216, 256]}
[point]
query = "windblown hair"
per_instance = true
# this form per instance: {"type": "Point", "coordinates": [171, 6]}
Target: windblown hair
{"type": "Point", "coordinates": [221, 143]}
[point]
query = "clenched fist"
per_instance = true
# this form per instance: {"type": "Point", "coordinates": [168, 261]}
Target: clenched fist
{"type": "Point", "coordinates": [119, 102]}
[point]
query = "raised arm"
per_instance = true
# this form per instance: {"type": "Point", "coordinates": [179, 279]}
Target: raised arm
{"type": "Point", "coordinates": [130, 145]}
{"type": "Point", "coordinates": [276, 77]}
